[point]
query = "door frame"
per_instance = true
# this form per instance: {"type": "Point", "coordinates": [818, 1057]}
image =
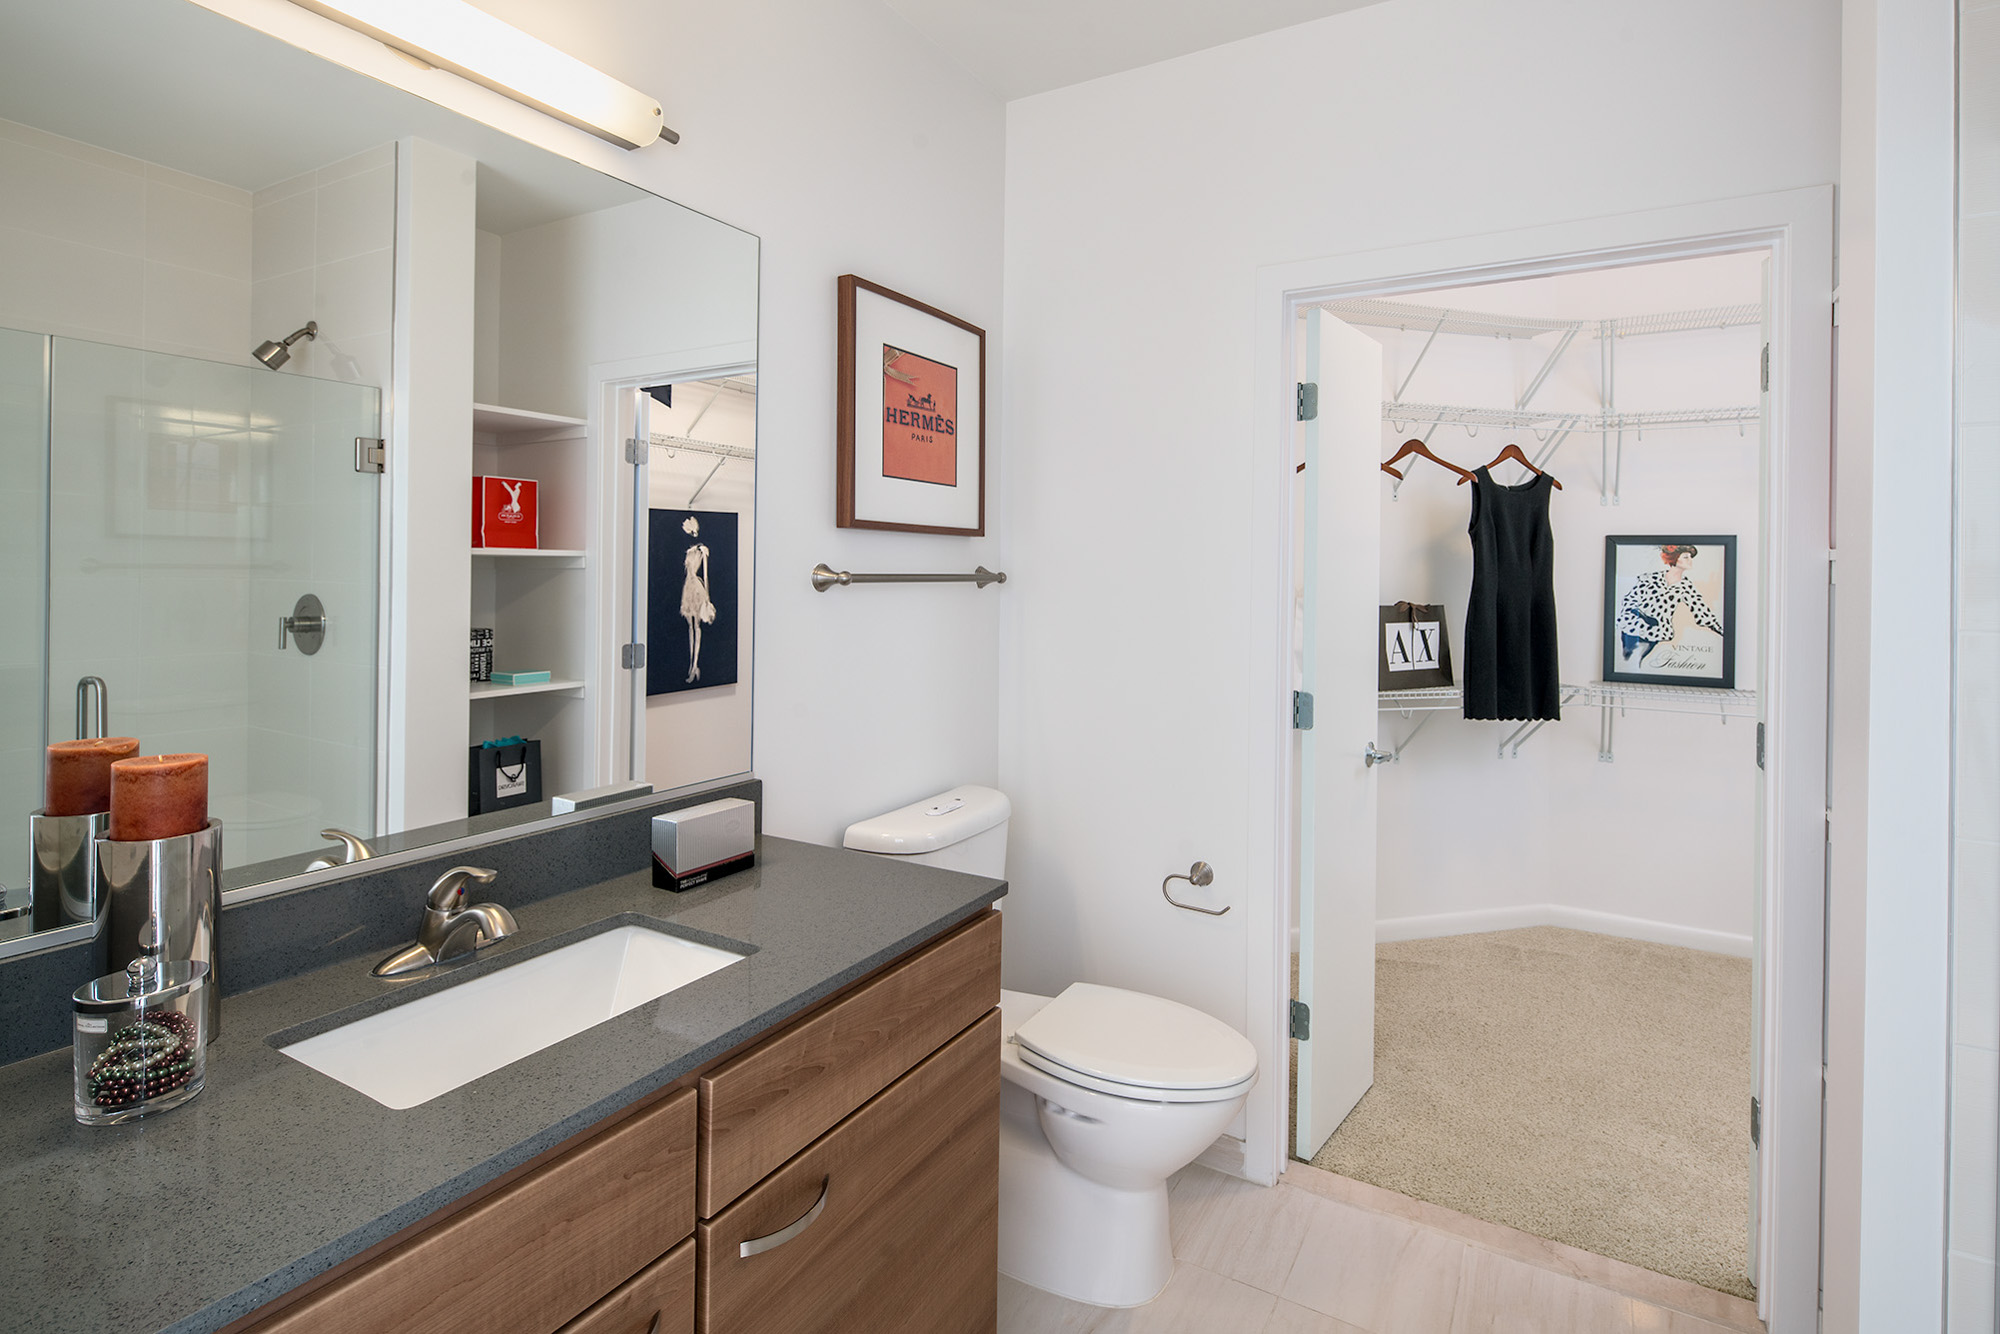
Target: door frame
{"type": "Point", "coordinates": [1797, 227]}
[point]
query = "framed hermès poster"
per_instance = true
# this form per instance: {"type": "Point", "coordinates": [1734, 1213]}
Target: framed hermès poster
{"type": "Point", "coordinates": [912, 401]}
{"type": "Point", "coordinates": [1670, 611]}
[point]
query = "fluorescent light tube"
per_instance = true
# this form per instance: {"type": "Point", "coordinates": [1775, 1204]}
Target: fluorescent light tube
{"type": "Point", "coordinates": [474, 45]}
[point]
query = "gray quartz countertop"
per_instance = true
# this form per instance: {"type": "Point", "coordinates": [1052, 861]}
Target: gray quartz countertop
{"type": "Point", "coordinates": [276, 1173]}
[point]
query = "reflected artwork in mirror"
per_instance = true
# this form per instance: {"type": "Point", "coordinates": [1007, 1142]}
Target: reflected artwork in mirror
{"type": "Point", "coordinates": [249, 369]}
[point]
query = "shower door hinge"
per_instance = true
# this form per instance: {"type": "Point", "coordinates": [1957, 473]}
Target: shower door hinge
{"type": "Point", "coordinates": [370, 454]}
{"type": "Point", "coordinates": [631, 656]}
{"type": "Point", "coordinates": [1302, 1021]}
{"type": "Point", "coordinates": [1756, 1124]}
{"type": "Point", "coordinates": [635, 452]}
{"type": "Point", "coordinates": [1760, 745]}
{"type": "Point", "coordinates": [1302, 710]}
{"type": "Point", "coordinates": [1766, 373]}
{"type": "Point", "coordinates": [1308, 401]}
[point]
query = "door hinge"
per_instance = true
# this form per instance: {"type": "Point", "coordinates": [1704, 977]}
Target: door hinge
{"type": "Point", "coordinates": [1302, 1021]}
{"type": "Point", "coordinates": [1760, 745]}
{"type": "Point", "coordinates": [370, 454]}
{"type": "Point", "coordinates": [1766, 373]}
{"type": "Point", "coordinates": [631, 656]}
{"type": "Point", "coordinates": [1756, 1123]}
{"type": "Point", "coordinates": [635, 452]}
{"type": "Point", "coordinates": [1302, 710]}
{"type": "Point", "coordinates": [1308, 401]}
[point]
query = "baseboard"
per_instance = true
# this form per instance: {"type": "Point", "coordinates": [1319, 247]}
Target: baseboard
{"type": "Point", "coordinates": [1558, 914]}
{"type": "Point", "coordinates": [1225, 1155]}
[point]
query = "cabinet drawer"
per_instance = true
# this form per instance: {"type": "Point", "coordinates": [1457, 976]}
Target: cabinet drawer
{"type": "Point", "coordinates": [663, 1291]}
{"type": "Point", "coordinates": [535, 1253]}
{"type": "Point", "coordinates": [767, 1104]}
{"type": "Point", "coordinates": [893, 1217]}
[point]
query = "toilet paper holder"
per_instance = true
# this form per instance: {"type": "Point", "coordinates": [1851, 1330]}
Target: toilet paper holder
{"type": "Point", "coordinates": [1198, 875]}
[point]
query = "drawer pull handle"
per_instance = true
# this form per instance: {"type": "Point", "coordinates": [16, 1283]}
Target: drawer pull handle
{"type": "Point", "coordinates": [654, 1328]}
{"type": "Point", "coordinates": [758, 1245]}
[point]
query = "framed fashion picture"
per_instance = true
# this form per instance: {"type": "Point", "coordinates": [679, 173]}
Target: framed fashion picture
{"type": "Point", "coordinates": [912, 408]}
{"type": "Point", "coordinates": [1670, 611]}
{"type": "Point", "coordinates": [692, 602]}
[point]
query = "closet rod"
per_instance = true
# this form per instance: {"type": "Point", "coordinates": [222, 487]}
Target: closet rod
{"type": "Point", "coordinates": [825, 576]}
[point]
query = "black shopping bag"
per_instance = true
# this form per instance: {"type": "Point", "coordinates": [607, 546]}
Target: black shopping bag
{"type": "Point", "coordinates": [505, 774]}
{"type": "Point", "coordinates": [1414, 652]}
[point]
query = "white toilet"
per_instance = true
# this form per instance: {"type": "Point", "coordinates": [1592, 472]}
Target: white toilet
{"type": "Point", "coordinates": [1104, 1093]}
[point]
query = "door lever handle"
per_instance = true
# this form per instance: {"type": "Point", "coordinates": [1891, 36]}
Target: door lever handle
{"type": "Point", "coordinates": [1372, 757]}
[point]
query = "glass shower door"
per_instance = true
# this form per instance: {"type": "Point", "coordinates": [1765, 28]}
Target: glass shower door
{"type": "Point", "coordinates": [24, 447]}
{"type": "Point", "coordinates": [192, 504]}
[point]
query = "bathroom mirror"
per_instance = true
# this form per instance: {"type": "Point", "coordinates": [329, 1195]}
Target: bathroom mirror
{"type": "Point", "coordinates": [263, 320]}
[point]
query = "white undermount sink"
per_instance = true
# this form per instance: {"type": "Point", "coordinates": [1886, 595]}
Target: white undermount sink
{"type": "Point", "coordinates": [423, 1048]}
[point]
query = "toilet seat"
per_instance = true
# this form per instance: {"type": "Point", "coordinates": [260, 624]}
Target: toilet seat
{"type": "Point", "coordinates": [1132, 1045]}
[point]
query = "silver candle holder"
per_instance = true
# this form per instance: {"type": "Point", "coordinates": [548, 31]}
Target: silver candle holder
{"type": "Point", "coordinates": [164, 896]}
{"type": "Point", "coordinates": [62, 875]}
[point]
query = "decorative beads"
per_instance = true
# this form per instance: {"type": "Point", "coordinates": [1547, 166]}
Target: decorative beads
{"type": "Point", "coordinates": [146, 1060]}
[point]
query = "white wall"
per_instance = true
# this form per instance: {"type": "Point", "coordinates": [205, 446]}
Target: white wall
{"type": "Point", "coordinates": [1139, 208]}
{"type": "Point", "coordinates": [1663, 838]}
{"type": "Point", "coordinates": [1888, 920]}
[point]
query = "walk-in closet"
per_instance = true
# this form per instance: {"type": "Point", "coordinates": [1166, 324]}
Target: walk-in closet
{"type": "Point", "coordinates": [1548, 858]}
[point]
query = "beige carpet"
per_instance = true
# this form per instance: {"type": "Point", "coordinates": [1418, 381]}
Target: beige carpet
{"type": "Point", "coordinates": [1585, 1088]}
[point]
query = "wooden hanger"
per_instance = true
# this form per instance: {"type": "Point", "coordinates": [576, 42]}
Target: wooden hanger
{"type": "Point", "coordinates": [1514, 453]}
{"type": "Point", "coordinates": [1421, 450]}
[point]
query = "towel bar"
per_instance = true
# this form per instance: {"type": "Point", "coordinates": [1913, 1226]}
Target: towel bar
{"type": "Point", "coordinates": [825, 576]}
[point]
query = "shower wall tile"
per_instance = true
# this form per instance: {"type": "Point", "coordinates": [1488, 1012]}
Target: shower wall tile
{"type": "Point", "coordinates": [196, 314]}
{"type": "Point", "coordinates": [357, 214]}
{"type": "Point", "coordinates": [1975, 927]}
{"type": "Point", "coordinates": [54, 285]}
{"type": "Point", "coordinates": [1975, 1150]}
{"type": "Point", "coordinates": [323, 249]}
{"type": "Point", "coordinates": [13, 131]}
{"type": "Point", "coordinates": [54, 193]}
{"type": "Point", "coordinates": [283, 239]}
{"type": "Point", "coordinates": [1971, 1281]}
{"type": "Point", "coordinates": [382, 155]}
{"type": "Point", "coordinates": [198, 230]}
{"type": "Point", "coordinates": [1978, 792]}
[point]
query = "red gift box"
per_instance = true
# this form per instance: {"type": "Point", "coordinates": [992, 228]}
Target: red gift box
{"type": "Point", "coordinates": [505, 512]}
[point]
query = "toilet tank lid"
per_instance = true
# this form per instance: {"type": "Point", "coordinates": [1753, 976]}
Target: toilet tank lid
{"type": "Point", "coordinates": [1133, 1038]}
{"type": "Point", "coordinates": [933, 823]}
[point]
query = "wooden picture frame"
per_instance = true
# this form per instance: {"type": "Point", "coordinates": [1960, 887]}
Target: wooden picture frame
{"type": "Point", "coordinates": [912, 380]}
{"type": "Point", "coordinates": [1680, 592]}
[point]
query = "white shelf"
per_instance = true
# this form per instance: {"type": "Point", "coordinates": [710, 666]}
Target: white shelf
{"type": "Point", "coordinates": [488, 690]}
{"type": "Point", "coordinates": [492, 419]}
{"type": "Point", "coordinates": [531, 553]}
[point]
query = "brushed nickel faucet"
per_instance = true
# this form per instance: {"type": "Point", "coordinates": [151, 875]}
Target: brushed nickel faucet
{"type": "Point", "coordinates": [451, 929]}
{"type": "Point", "coordinates": [352, 849]}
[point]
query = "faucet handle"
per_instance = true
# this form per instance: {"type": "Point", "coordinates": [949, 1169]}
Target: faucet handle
{"type": "Point", "coordinates": [450, 887]}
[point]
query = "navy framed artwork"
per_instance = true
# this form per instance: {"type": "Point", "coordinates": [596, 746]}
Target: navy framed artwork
{"type": "Point", "coordinates": [691, 600]}
{"type": "Point", "coordinates": [1670, 611]}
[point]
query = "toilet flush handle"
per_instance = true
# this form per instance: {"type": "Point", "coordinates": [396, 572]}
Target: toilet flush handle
{"type": "Point", "coordinates": [1198, 875]}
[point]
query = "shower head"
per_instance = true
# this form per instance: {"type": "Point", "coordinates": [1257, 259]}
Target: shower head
{"type": "Point", "coordinates": [275, 355]}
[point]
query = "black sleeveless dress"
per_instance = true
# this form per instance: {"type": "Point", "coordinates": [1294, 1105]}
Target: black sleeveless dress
{"type": "Point", "coordinates": [1510, 622]}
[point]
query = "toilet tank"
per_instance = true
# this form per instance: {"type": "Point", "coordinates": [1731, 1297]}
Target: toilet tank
{"type": "Point", "coordinates": [964, 829]}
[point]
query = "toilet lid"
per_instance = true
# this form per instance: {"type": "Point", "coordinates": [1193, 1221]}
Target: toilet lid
{"type": "Point", "coordinates": [1131, 1038]}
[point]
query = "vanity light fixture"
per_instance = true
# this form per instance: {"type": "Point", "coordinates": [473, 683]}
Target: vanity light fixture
{"type": "Point", "coordinates": [472, 44]}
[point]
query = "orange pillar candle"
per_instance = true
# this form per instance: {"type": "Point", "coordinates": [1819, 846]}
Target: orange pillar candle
{"type": "Point", "coordinates": [78, 778]}
{"type": "Point", "coordinates": [158, 796]}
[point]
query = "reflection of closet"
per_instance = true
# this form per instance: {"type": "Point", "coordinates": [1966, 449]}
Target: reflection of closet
{"type": "Point", "coordinates": [1547, 430]}
{"type": "Point", "coordinates": [538, 601]}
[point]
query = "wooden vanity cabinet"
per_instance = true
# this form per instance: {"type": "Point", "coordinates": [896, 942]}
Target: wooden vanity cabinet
{"type": "Point", "coordinates": [855, 1150]}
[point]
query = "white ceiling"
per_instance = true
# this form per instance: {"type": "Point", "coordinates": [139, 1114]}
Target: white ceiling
{"type": "Point", "coordinates": [1020, 47]}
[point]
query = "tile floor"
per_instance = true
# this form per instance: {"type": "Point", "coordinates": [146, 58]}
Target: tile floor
{"type": "Point", "coordinates": [1294, 1260]}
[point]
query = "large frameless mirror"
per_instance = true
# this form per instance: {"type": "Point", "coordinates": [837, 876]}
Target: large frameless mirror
{"type": "Point", "coordinates": [339, 443]}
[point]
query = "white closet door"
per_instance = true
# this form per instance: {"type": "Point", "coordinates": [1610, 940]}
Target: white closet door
{"type": "Point", "coordinates": [1337, 789]}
